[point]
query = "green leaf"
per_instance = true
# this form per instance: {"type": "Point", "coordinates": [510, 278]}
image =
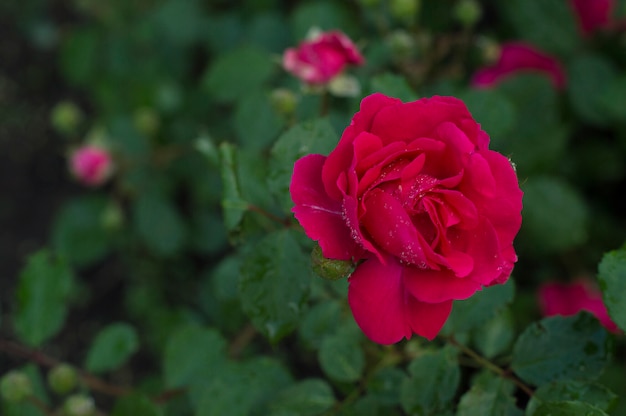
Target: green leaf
{"type": "Point", "coordinates": [319, 322]}
{"type": "Point", "coordinates": [316, 136]}
{"type": "Point", "coordinates": [274, 284]}
{"type": "Point", "coordinates": [134, 405]}
{"type": "Point", "coordinates": [256, 122]}
{"type": "Point", "coordinates": [432, 383]}
{"type": "Point", "coordinates": [159, 224]}
{"type": "Point", "coordinates": [42, 294]}
{"type": "Point", "coordinates": [611, 99]}
{"type": "Point", "coordinates": [191, 355]}
{"type": "Point", "coordinates": [590, 77]}
{"type": "Point", "coordinates": [78, 232]}
{"type": "Point", "coordinates": [237, 73]}
{"type": "Point", "coordinates": [393, 85]}
{"type": "Point", "coordinates": [242, 389]}
{"type": "Point", "coordinates": [309, 397]}
{"type": "Point", "coordinates": [385, 386]}
{"type": "Point", "coordinates": [559, 348]}
{"type": "Point", "coordinates": [233, 205]}
{"type": "Point", "coordinates": [567, 408]}
{"type": "Point", "coordinates": [112, 347]}
{"type": "Point", "coordinates": [548, 24]}
{"type": "Point", "coordinates": [569, 390]}
{"type": "Point", "coordinates": [341, 358]}
{"type": "Point", "coordinates": [180, 22]}
{"type": "Point", "coordinates": [555, 215]}
{"type": "Point", "coordinates": [473, 312]}
{"type": "Point", "coordinates": [495, 336]}
{"type": "Point", "coordinates": [490, 395]}
{"type": "Point", "coordinates": [495, 113]}
{"type": "Point", "coordinates": [612, 278]}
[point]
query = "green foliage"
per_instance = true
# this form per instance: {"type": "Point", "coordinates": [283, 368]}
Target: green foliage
{"type": "Point", "coordinates": [550, 350]}
{"type": "Point", "coordinates": [44, 288]}
{"type": "Point", "coordinates": [556, 215]}
{"type": "Point", "coordinates": [489, 395]}
{"type": "Point", "coordinates": [308, 397]}
{"type": "Point", "coordinates": [111, 347]}
{"type": "Point", "coordinates": [273, 285]}
{"type": "Point", "coordinates": [433, 380]}
{"type": "Point", "coordinates": [612, 277]}
{"type": "Point", "coordinates": [79, 232]}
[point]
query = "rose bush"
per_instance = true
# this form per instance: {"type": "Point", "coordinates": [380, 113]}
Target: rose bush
{"type": "Point", "coordinates": [414, 196]}
{"type": "Point", "coordinates": [318, 60]}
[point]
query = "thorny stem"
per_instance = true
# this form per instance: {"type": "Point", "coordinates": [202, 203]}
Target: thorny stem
{"type": "Point", "coordinates": [283, 221]}
{"type": "Point", "coordinates": [485, 363]}
{"type": "Point", "coordinates": [93, 382]}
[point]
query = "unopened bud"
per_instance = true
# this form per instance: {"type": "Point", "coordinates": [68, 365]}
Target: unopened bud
{"type": "Point", "coordinates": [402, 44]}
{"type": "Point", "coordinates": [146, 121]}
{"type": "Point", "coordinates": [284, 101]}
{"type": "Point", "coordinates": [79, 405]}
{"type": "Point", "coordinates": [490, 50]}
{"type": "Point", "coordinates": [66, 117]}
{"type": "Point", "coordinates": [468, 12]}
{"type": "Point", "coordinates": [62, 378]}
{"type": "Point", "coordinates": [328, 268]}
{"type": "Point", "coordinates": [344, 86]}
{"type": "Point", "coordinates": [405, 10]}
{"type": "Point", "coordinates": [15, 386]}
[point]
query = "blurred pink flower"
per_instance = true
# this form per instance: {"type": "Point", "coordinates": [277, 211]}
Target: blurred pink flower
{"type": "Point", "coordinates": [91, 165]}
{"type": "Point", "coordinates": [593, 14]}
{"type": "Point", "coordinates": [569, 299]}
{"type": "Point", "coordinates": [320, 59]}
{"type": "Point", "coordinates": [516, 57]}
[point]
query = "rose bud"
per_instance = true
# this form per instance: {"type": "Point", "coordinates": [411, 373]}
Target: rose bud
{"type": "Point", "coordinates": [91, 165]}
{"type": "Point", "coordinates": [517, 57]}
{"type": "Point", "coordinates": [318, 60]}
{"type": "Point", "coordinates": [413, 196]}
{"type": "Point", "coordinates": [15, 386]}
{"type": "Point", "coordinates": [62, 378]}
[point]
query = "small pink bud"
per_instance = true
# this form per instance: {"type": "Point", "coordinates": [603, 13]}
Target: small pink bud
{"type": "Point", "coordinates": [91, 165]}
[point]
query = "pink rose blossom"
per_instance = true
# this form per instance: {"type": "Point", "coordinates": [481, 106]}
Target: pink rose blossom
{"type": "Point", "coordinates": [318, 60]}
{"type": "Point", "coordinates": [593, 14]}
{"type": "Point", "coordinates": [516, 57]}
{"type": "Point", "coordinates": [569, 299]}
{"type": "Point", "coordinates": [91, 165]}
{"type": "Point", "coordinates": [414, 196]}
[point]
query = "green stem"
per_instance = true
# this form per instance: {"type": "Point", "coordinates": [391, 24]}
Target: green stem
{"type": "Point", "coordinates": [485, 363]}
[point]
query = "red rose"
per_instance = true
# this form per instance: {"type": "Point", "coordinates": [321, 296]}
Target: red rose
{"type": "Point", "coordinates": [91, 165]}
{"type": "Point", "coordinates": [318, 60]}
{"type": "Point", "coordinates": [569, 299]}
{"type": "Point", "coordinates": [414, 196]}
{"type": "Point", "coordinates": [518, 57]}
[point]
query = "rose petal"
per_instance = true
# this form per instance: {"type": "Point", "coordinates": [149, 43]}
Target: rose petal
{"type": "Point", "coordinates": [320, 215]}
{"type": "Point", "coordinates": [377, 299]}
{"type": "Point", "coordinates": [480, 243]}
{"type": "Point", "coordinates": [434, 286]}
{"type": "Point", "coordinates": [404, 122]}
{"type": "Point", "coordinates": [427, 319]}
{"type": "Point", "coordinates": [505, 207]}
{"type": "Point", "coordinates": [386, 220]}
{"type": "Point", "coordinates": [593, 14]}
